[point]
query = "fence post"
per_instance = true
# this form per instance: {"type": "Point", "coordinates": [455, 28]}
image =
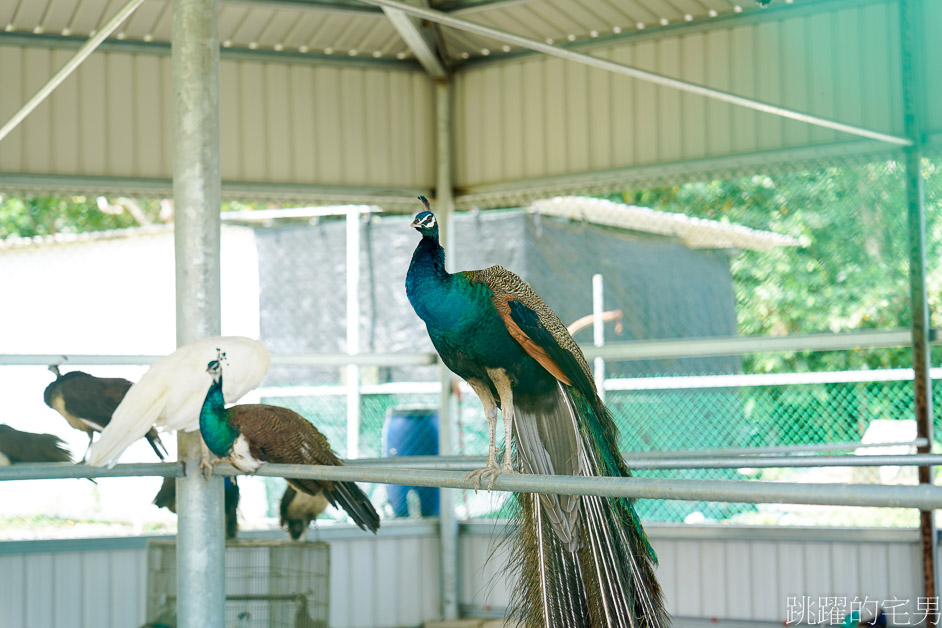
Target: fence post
{"type": "Point", "coordinates": [353, 330]}
{"type": "Point", "coordinates": [913, 107]}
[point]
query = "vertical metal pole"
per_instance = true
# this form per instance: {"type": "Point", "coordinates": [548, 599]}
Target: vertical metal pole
{"type": "Point", "coordinates": [446, 206]}
{"type": "Point", "coordinates": [913, 103]}
{"type": "Point", "coordinates": [201, 548]}
{"type": "Point", "coordinates": [353, 330]}
{"type": "Point", "coordinates": [598, 331]}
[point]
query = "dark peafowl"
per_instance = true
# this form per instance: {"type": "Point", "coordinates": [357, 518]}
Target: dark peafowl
{"type": "Point", "coordinates": [249, 435]}
{"type": "Point", "coordinates": [88, 403]}
{"type": "Point", "coordinates": [17, 447]}
{"type": "Point", "coordinates": [297, 510]}
{"type": "Point", "coordinates": [584, 561]}
{"type": "Point", "coordinates": [167, 498]}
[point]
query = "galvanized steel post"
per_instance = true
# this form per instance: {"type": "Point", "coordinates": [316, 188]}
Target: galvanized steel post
{"type": "Point", "coordinates": [353, 330]}
{"type": "Point", "coordinates": [201, 595]}
{"type": "Point", "coordinates": [913, 107]}
{"type": "Point", "coordinates": [446, 205]}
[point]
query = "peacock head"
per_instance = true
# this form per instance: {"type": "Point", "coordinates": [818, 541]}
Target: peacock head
{"type": "Point", "coordinates": [214, 368]}
{"type": "Point", "coordinates": [425, 222]}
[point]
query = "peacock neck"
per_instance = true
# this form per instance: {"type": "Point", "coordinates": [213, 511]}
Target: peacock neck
{"type": "Point", "coordinates": [218, 433]}
{"type": "Point", "coordinates": [427, 277]}
{"type": "Point", "coordinates": [428, 260]}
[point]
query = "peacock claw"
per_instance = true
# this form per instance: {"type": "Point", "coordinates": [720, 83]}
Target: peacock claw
{"type": "Point", "coordinates": [491, 472]}
{"type": "Point", "coordinates": [206, 466]}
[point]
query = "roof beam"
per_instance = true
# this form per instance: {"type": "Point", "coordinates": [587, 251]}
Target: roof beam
{"type": "Point", "coordinates": [70, 66]}
{"type": "Point", "coordinates": [326, 6]}
{"type": "Point", "coordinates": [637, 73]}
{"type": "Point", "coordinates": [424, 42]}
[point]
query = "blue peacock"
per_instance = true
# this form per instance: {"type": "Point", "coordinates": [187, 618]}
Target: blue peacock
{"type": "Point", "coordinates": [583, 561]}
{"type": "Point", "coordinates": [249, 435]}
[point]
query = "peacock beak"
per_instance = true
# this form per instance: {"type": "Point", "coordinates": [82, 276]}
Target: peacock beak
{"type": "Point", "coordinates": [416, 224]}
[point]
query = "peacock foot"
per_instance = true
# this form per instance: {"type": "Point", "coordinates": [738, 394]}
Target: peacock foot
{"type": "Point", "coordinates": [490, 472]}
{"type": "Point", "coordinates": [206, 466]}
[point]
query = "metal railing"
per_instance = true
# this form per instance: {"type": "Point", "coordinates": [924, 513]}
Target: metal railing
{"type": "Point", "coordinates": [924, 497]}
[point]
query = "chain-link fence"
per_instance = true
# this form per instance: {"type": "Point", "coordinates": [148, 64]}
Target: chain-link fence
{"type": "Point", "coordinates": [813, 247]}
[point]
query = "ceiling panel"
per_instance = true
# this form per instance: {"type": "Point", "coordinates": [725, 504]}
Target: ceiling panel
{"type": "Point", "coordinates": [345, 28]}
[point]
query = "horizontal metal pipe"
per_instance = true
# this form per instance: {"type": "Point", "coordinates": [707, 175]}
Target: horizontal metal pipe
{"type": "Point", "coordinates": [781, 449]}
{"type": "Point", "coordinates": [736, 345]}
{"type": "Point", "coordinates": [636, 350]}
{"type": "Point", "coordinates": [729, 462]}
{"type": "Point", "coordinates": [360, 359]}
{"type": "Point", "coordinates": [703, 459]}
{"type": "Point", "coordinates": [67, 470]}
{"type": "Point", "coordinates": [924, 497]}
{"type": "Point", "coordinates": [40, 359]}
{"type": "Point", "coordinates": [787, 462]}
{"type": "Point", "coordinates": [306, 359]}
{"type": "Point", "coordinates": [740, 380]}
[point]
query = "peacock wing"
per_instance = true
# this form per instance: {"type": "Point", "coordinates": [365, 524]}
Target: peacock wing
{"type": "Point", "coordinates": [537, 328]}
{"type": "Point", "coordinates": [282, 436]}
{"type": "Point", "coordinates": [91, 398]}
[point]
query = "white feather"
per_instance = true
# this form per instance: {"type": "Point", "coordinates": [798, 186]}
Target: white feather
{"type": "Point", "coordinates": [241, 456]}
{"type": "Point", "coordinates": [171, 393]}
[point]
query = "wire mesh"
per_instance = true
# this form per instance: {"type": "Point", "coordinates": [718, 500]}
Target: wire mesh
{"type": "Point", "coordinates": [267, 584]}
{"type": "Point", "coordinates": [284, 281]}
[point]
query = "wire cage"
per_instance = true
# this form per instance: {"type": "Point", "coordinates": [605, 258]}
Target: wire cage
{"type": "Point", "coordinates": [268, 583]}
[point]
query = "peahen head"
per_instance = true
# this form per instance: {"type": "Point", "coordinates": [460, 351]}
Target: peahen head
{"type": "Point", "coordinates": [425, 222]}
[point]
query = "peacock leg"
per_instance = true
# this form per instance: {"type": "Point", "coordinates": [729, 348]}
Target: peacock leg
{"type": "Point", "coordinates": [207, 460]}
{"type": "Point", "coordinates": [505, 390]}
{"type": "Point", "coordinates": [91, 437]}
{"type": "Point", "coordinates": [483, 392]}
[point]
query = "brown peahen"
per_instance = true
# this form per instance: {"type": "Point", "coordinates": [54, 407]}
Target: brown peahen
{"type": "Point", "coordinates": [297, 510]}
{"type": "Point", "coordinates": [88, 403]}
{"type": "Point", "coordinates": [246, 436]}
{"type": "Point", "coordinates": [17, 447]}
{"type": "Point", "coordinates": [583, 561]}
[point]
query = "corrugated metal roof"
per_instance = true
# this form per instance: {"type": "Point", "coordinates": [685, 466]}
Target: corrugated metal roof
{"type": "Point", "coordinates": [356, 30]}
{"type": "Point", "coordinates": [697, 233]}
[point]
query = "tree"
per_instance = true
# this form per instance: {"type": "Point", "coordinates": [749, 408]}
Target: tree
{"type": "Point", "coordinates": [852, 270]}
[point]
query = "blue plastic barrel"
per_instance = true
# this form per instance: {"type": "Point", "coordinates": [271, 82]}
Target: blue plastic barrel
{"type": "Point", "coordinates": [411, 432]}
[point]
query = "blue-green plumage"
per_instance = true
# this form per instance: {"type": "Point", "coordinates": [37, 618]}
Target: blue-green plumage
{"type": "Point", "coordinates": [217, 432]}
{"type": "Point", "coordinates": [465, 327]}
{"type": "Point", "coordinates": [583, 561]}
{"type": "Point", "coordinates": [249, 435]}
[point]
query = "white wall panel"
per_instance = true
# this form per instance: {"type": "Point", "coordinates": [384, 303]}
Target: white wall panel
{"type": "Point", "coordinates": [393, 580]}
{"type": "Point", "coordinates": [811, 62]}
{"type": "Point", "coordinates": [280, 123]}
{"type": "Point", "coordinates": [743, 573]}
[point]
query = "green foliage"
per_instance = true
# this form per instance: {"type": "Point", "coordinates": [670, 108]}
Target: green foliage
{"type": "Point", "coordinates": [851, 271]}
{"type": "Point", "coordinates": [48, 215]}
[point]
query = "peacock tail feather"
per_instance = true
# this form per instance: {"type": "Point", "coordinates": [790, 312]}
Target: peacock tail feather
{"type": "Point", "coordinates": [609, 579]}
{"type": "Point", "coordinates": [583, 561]}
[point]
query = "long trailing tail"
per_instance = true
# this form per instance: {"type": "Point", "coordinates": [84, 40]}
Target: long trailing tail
{"type": "Point", "coordinates": [346, 495]}
{"type": "Point", "coordinates": [584, 562]}
{"type": "Point", "coordinates": [29, 447]}
{"type": "Point", "coordinates": [156, 444]}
